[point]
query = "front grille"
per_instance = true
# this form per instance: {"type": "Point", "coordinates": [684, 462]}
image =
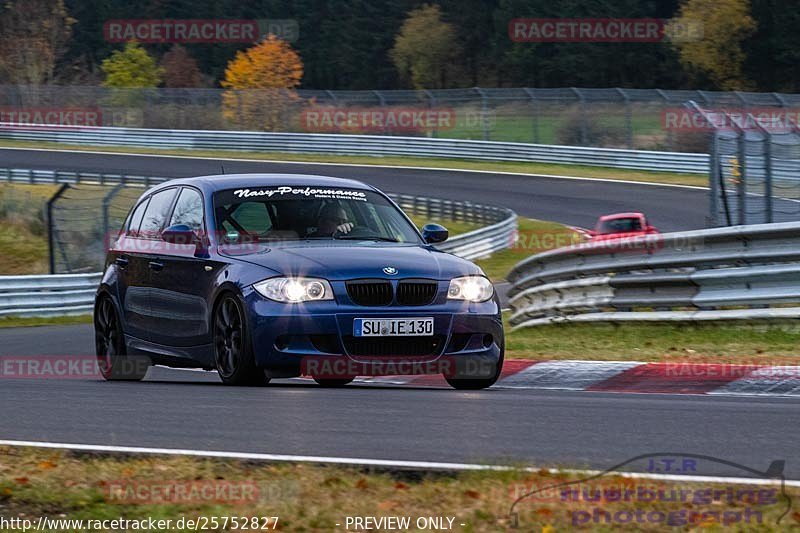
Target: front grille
{"type": "Point", "coordinates": [416, 292]}
{"type": "Point", "coordinates": [393, 346]}
{"type": "Point", "coordinates": [370, 292]}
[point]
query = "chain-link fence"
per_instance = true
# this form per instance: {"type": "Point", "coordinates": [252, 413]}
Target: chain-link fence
{"type": "Point", "coordinates": [642, 119]}
{"type": "Point", "coordinates": [84, 219]}
{"type": "Point", "coordinates": [81, 220]}
{"type": "Point", "coordinates": [755, 166]}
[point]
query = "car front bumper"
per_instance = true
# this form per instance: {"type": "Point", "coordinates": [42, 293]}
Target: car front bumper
{"type": "Point", "coordinates": [316, 338]}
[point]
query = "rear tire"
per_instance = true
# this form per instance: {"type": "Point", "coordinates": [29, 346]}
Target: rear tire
{"type": "Point", "coordinates": [233, 352]}
{"type": "Point", "coordinates": [109, 342]}
{"type": "Point", "coordinates": [333, 383]}
{"type": "Point", "coordinates": [478, 384]}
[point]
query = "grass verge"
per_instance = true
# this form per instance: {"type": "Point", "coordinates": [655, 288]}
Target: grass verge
{"type": "Point", "coordinates": [488, 166]}
{"type": "Point", "coordinates": [58, 484]}
{"type": "Point", "coordinates": [25, 322]}
{"type": "Point", "coordinates": [533, 237]}
{"type": "Point", "coordinates": [750, 343]}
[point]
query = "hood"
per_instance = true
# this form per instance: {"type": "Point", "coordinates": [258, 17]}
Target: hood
{"type": "Point", "coordinates": [352, 260]}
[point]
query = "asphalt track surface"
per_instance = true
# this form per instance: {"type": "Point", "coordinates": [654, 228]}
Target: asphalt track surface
{"type": "Point", "coordinates": [574, 202]}
{"type": "Point", "coordinates": [191, 410]}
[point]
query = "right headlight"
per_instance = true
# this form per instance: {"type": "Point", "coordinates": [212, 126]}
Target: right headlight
{"type": "Point", "coordinates": [294, 290]}
{"type": "Point", "coordinates": [470, 288]}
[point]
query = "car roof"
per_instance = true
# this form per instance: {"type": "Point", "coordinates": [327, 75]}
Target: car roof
{"type": "Point", "coordinates": [218, 182]}
{"type": "Point", "coordinates": [621, 215]}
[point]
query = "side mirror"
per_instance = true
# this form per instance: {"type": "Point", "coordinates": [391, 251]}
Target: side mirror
{"type": "Point", "coordinates": [179, 234]}
{"type": "Point", "coordinates": [433, 233]}
{"type": "Point", "coordinates": [591, 233]}
{"type": "Point", "coordinates": [651, 230]}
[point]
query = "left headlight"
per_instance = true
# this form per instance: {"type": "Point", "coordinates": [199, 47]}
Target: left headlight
{"type": "Point", "coordinates": [294, 290]}
{"type": "Point", "coordinates": [470, 288]}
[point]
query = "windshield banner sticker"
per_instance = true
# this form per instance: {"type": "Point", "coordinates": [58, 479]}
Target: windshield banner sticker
{"type": "Point", "coordinates": [339, 194]}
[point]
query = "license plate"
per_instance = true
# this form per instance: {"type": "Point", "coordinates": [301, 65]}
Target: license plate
{"type": "Point", "coordinates": [393, 327]}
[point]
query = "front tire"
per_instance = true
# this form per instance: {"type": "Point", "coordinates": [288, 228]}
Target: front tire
{"type": "Point", "coordinates": [233, 352]}
{"type": "Point", "coordinates": [109, 343]}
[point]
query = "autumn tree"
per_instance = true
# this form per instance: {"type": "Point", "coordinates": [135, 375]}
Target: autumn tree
{"type": "Point", "coordinates": [131, 67]}
{"type": "Point", "coordinates": [426, 49]}
{"type": "Point", "coordinates": [260, 83]}
{"type": "Point", "coordinates": [718, 52]}
{"type": "Point", "coordinates": [180, 69]}
{"type": "Point", "coordinates": [33, 37]}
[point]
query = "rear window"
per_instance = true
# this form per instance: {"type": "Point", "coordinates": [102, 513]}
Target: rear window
{"type": "Point", "coordinates": [156, 214]}
{"type": "Point", "coordinates": [620, 225]}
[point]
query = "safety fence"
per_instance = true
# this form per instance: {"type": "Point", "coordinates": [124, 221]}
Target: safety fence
{"type": "Point", "coordinates": [754, 173]}
{"type": "Point", "coordinates": [604, 117]}
{"type": "Point", "coordinates": [368, 145]}
{"type": "Point", "coordinates": [55, 295]}
{"type": "Point", "coordinates": [84, 214]}
{"type": "Point", "coordinates": [739, 272]}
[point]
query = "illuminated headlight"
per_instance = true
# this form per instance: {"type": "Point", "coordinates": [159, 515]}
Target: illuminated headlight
{"type": "Point", "coordinates": [294, 290]}
{"type": "Point", "coordinates": [470, 288]}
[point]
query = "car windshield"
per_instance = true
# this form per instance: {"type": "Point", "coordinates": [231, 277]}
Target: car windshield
{"type": "Point", "coordinates": [286, 213]}
{"type": "Point", "coordinates": [619, 225]}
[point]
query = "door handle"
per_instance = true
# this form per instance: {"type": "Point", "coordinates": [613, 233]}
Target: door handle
{"type": "Point", "coordinates": [158, 267]}
{"type": "Point", "coordinates": [121, 262]}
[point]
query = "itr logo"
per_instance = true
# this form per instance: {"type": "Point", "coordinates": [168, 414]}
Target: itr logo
{"type": "Point", "coordinates": [673, 465]}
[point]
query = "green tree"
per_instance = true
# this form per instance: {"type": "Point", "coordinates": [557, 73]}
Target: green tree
{"type": "Point", "coordinates": [131, 67]}
{"type": "Point", "coordinates": [718, 54]}
{"type": "Point", "coordinates": [426, 49]}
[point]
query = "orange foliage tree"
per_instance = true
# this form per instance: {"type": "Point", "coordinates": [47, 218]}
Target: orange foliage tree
{"type": "Point", "coordinates": [260, 83]}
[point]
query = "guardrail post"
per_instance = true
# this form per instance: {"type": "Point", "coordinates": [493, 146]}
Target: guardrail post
{"type": "Point", "coordinates": [484, 113]}
{"type": "Point", "coordinates": [431, 104]}
{"type": "Point", "coordinates": [628, 117]}
{"type": "Point", "coordinates": [767, 168]}
{"type": "Point", "coordinates": [106, 202]}
{"type": "Point", "coordinates": [535, 118]}
{"type": "Point", "coordinates": [50, 227]}
{"type": "Point", "coordinates": [741, 186]}
{"type": "Point", "coordinates": [582, 110]}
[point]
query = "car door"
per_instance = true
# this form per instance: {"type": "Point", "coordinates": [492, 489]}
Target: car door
{"type": "Point", "coordinates": [132, 274]}
{"type": "Point", "coordinates": [180, 280]}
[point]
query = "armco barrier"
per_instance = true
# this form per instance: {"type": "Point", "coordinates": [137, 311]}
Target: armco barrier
{"type": "Point", "coordinates": [739, 272]}
{"type": "Point", "coordinates": [66, 294]}
{"type": "Point", "coordinates": [62, 294]}
{"type": "Point", "coordinates": [372, 145]}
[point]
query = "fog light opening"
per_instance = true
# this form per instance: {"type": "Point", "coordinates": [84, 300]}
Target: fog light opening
{"type": "Point", "coordinates": [488, 340]}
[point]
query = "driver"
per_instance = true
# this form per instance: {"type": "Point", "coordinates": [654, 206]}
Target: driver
{"type": "Point", "coordinates": [332, 219]}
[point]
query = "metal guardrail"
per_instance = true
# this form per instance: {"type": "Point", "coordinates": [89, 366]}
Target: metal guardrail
{"type": "Point", "coordinates": [70, 294]}
{"type": "Point", "coordinates": [63, 294]}
{"type": "Point", "coordinates": [497, 235]}
{"type": "Point", "coordinates": [610, 117]}
{"type": "Point", "coordinates": [739, 272]}
{"type": "Point", "coordinates": [372, 145]}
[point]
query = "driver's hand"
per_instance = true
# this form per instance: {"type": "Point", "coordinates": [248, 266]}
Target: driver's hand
{"type": "Point", "coordinates": [345, 228]}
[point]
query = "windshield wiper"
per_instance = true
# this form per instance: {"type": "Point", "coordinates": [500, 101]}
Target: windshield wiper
{"type": "Point", "coordinates": [371, 238]}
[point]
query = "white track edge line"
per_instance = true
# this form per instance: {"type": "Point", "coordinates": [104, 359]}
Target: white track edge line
{"type": "Point", "coordinates": [364, 165]}
{"type": "Point", "coordinates": [348, 461]}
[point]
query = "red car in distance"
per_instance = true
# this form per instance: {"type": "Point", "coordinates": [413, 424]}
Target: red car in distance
{"type": "Point", "coordinates": [621, 226]}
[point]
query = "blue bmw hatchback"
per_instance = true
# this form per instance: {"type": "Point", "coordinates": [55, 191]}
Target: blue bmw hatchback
{"type": "Point", "coordinates": [264, 276]}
